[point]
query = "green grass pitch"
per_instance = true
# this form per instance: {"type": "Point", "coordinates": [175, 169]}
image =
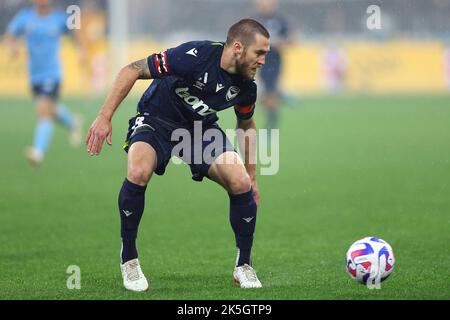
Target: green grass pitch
{"type": "Point", "coordinates": [350, 167]}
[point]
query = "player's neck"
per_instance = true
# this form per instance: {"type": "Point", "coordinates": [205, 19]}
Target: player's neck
{"type": "Point", "coordinates": [43, 10]}
{"type": "Point", "coordinates": [227, 61]}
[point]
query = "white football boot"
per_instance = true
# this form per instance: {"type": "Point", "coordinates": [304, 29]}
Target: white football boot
{"type": "Point", "coordinates": [133, 277]}
{"type": "Point", "coordinates": [245, 277]}
{"type": "Point", "coordinates": [33, 156]}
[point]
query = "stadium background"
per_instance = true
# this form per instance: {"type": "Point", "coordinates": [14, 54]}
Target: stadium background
{"type": "Point", "coordinates": [409, 53]}
{"type": "Point", "coordinates": [368, 157]}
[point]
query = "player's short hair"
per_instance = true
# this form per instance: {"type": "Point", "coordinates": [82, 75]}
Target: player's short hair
{"type": "Point", "coordinates": [245, 30]}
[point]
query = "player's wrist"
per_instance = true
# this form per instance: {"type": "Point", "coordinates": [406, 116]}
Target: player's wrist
{"type": "Point", "coordinates": [105, 115]}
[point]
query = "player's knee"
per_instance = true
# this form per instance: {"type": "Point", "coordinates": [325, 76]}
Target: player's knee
{"type": "Point", "coordinates": [239, 184]}
{"type": "Point", "coordinates": [138, 175]}
{"type": "Point", "coordinates": [45, 108]}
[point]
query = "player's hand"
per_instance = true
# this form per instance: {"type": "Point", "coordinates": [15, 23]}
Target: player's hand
{"type": "Point", "coordinates": [12, 45]}
{"type": "Point", "coordinates": [100, 129]}
{"type": "Point", "coordinates": [255, 192]}
{"type": "Point", "coordinates": [14, 51]}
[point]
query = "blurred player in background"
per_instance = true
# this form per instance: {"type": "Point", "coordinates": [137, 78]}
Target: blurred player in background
{"type": "Point", "coordinates": [192, 82]}
{"type": "Point", "coordinates": [334, 65]}
{"type": "Point", "coordinates": [42, 27]}
{"type": "Point", "coordinates": [270, 73]}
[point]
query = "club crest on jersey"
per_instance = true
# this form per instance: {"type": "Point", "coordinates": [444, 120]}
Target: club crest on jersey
{"type": "Point", "coordinates": [197, 105]}
{"type": "Point", "coordinates": [232, 93]}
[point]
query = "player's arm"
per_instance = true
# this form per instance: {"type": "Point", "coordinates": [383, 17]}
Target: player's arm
{"type": "Point", "coordinates": [173, 61]}
{"type": "Point", "coordinates": [247, 140]}
{"type": "Point", "coordinates": [15, 29]}
{"type": "Point", "coordinates": [12, 44]}
{"type": "Point", "coordinates": [101, 128]}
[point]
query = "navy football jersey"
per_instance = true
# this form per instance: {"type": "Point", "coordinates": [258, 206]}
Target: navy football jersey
{"type": "Point", "coordinates": [189, 85]}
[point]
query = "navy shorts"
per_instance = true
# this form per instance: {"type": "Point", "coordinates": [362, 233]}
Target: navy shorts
{"type": "Point", "coordinates": [270, 72]}
{"type": "Point", "coordinates": [196, 147]}
{"type": "Point", "coordinates": [48, 89]}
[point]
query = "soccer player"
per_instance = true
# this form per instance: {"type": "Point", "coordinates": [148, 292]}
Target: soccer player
{"type": "Point", "coordinates": [43, 27]}
{"type": "Point", "coordinates": [270, 74]}
{"type": "Point", "coordinates": [192, 82]}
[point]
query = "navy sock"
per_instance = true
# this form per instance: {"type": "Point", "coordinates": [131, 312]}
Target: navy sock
{"type": "Point", "coordinates": [243, 221]}
{"type": "Point", "coordinates": [131, 207]}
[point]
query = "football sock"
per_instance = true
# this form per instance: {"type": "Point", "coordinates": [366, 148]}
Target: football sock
{"type": "Point", "coordinates": [42, 135]}
{"type": "Point", "coordinates": [64, 116]}
{"type": "Point", "coordinates": [131, 207]}
{"type": "Point", "coordinates": [243, 221]}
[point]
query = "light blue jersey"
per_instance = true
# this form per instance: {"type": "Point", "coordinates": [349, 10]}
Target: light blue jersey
{"type": "Point", "coordinates": [42, 35]}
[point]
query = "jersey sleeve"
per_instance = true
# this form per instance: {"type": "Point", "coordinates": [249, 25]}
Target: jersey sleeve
{"type": "Point", "coordinates": [179, 61]}
{"type": "Point", "coordinates": [245, 109]}
{"type": "Point", "coordinates": [17, 25]}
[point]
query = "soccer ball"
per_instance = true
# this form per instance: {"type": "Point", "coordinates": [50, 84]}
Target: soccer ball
{"type": "Point", "coordinates": [370, 260]}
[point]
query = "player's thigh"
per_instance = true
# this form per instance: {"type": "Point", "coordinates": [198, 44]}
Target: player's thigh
{"type": "Point", "coordinates": [142, 161]}
{"type": "Point", "coordinates": [45, 106]}
{"type": "Point", "coordinates": [229, 171]}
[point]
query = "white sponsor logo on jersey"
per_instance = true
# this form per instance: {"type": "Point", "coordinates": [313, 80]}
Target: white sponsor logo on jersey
{"type": "Point", "coordinates": [197, 105]}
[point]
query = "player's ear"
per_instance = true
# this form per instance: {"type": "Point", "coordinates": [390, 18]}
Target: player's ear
{"type": "Point", "coordinates": [238, 48]}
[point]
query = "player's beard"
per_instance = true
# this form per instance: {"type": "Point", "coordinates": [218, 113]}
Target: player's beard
{"type": "Point", "coordinates": [243, 68]}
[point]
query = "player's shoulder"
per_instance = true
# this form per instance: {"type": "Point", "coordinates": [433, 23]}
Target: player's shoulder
{"type": "Point", "coordinates": [195, 53]}
{"type": "Point", "coordinates": [26, 11]}
{"type": "Point", "coordinates": [199, 48]}
{"type": "Point", "coordinates": [206, 44]}
{"type": "Point", "coordinates": [282, 22]}
{"type": "Point", "coordinates": [202, 43]}
{"type": "Point", "coordinates": [59, 15]}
